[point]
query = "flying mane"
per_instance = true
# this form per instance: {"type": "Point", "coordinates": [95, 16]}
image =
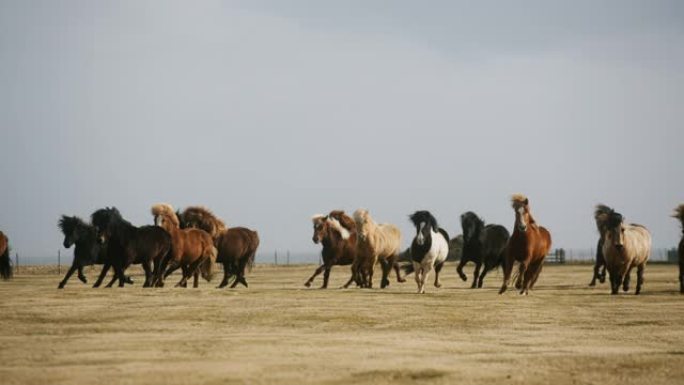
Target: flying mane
{"type": "Point", "coordinates": [166, 210]}
{"type": "Point", "coordinates": [204, 219]}
{"type": "Point", "coordinates": [69, 224]}
{"type": "Point", "coordinates": [679, 214]}
{"type": "Point", "coordinates": [601, 215]}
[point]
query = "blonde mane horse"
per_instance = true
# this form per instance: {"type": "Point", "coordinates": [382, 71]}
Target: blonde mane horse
{"type": "Point", "coordinates": [625, 246]}
{"type": "Point", "coordinates": [679, 214]}
{"type": "Point", "coordinates": [376, 242]}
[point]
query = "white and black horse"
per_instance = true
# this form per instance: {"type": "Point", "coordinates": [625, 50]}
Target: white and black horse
{"type": "Point", "coordinates": [429, 248]}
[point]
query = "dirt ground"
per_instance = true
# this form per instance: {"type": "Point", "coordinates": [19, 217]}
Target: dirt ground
{"type": "Point", "coordinates": [277, 331]}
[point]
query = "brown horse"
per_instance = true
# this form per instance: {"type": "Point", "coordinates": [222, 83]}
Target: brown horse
{"type": "Point", "coordinates": [376, 242]}
{"type": "Point", "coordinates": [625, 246]}
{"type": "Point", "coordinates": [236, 246]}
{"type": "Point", "coordinates": [192, 249]}
{"type": "Point", "coordinates": [5, 262]}
{"type": "Point", "coordinates": [336, 232]}
{"type": "Point", "coordinates": [679, 214]}
{"type": "Point", "coordinates": [528, 245]}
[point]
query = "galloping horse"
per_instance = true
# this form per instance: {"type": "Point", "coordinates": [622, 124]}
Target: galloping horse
{"type": "Point", "coordinates": [429, 248]}
{"type": "Point", "coordinates": [236, 246]}
{"type": "Point", "coordinates": [600, 263]}
{"type": "Point", "coordinates": [528, 245]}
{"type": "Point", "coordinates": [192, 249]}
{"type": "Point", "coordinates": [625, 246]}
{"type": "Point", "coordinates": [88, 251]}
{"type": "Point", "coordinates": [5, 262]}
{"type": "Point", "coordinates": [336, 232]}
{"type": "Point", "coordinates": [375, 243]}
{"type": "Point", "coordinates": [481, 244]}
{"type": "Point", "coordinates": [679, 214]}
{"type": "Point", "coordinates": [128, 244]}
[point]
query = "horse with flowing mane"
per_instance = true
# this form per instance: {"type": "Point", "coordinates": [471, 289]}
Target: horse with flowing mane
{"type": "Point", "coordinates": [679, 214]}
{"type": "Point", "coordinates": [600, 263]}
{"type": "Point", "coordinates": [336, 232]}
{"type": "Point", "coordinates": [87, 251]}
{"type": "Point", "coordinates": [429, 248]}
{"type": "Point", "coordinates": [625, 246]}
{"type": "Point", "coordinates": [376, 242]}
{"type": "Point", "coordinates": [528, 245]}
{"type": "Point", "coordinates": [128, 244]}
{"type": "Point", "coordinates": [236, 246]}
{"type": "Point", "coordinates": [192, 249]}
{"type": "Point", "coordinates": [482, 244]}
{"type": "Point", "coordinates": [5, 261]}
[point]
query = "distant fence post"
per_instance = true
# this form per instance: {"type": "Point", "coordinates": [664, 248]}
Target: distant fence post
{"type": "Point", "coordinates": [16, 262]}
{"type": "Point", "coordinates": [288, 257]}
{"type": "Point", "coordinates": [276, 257]}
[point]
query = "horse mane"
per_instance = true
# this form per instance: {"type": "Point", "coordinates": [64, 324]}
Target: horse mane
{"type": "Point", "coordinates": [601, 215]}
{"type": "Point", "coordinates": [345, 220]}
{"type": "Point", "coordinates": [317, 218]}
{"type": "Point", "coordinates": [204, 219]}
{"type": "Point", "coordinates": [469, 218]}
{"type": "Point", "coordinates": [424, 216]}
{"type": "Point", "coordinates": [519, 200]}
{"type": "Point", "coordinates": [69, 225]}
{"type": "Point", "coordinates": [679, 214]}
{"type": "Point", "coordinates": [166, 210]}
{"type": "Point", "coordinates": [614, 220]}
{"type": "Point", "coordinates": [105, 217]}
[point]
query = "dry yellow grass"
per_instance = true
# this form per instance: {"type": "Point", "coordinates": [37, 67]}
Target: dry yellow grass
{"type": "Point", "coordinates": [279, 332]}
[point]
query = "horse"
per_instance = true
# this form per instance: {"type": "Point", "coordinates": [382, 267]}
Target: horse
{"type": "Point", "coordinates": [192, 249]}
{"type": "Point", "coordinates": [429, 248]}
{"type": "Point", "coordinates": [336, 232]}
{"type": "Point", "coordinates": [482, 244]}
{"type": "Point", "coordinates": [528, 245]}
{"type": "Point", "coordinates": [5, 261]}
{"type": "Point", "coordinates": [87, 252]}
{"type": "Point", "coordinates": [679, 214]}
{"type": "Point", "coordinates": [236, 246]}
{"type": "Point", "coordinates": [600, 263]}
{"type": "Point", "coordinates": [128, 244]}
{"type": "Point", "coordinates": [376, 242]}
{"type": "Point", "coordinates": [625, 246]}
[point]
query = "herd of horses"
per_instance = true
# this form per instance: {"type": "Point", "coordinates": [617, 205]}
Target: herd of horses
{"type": "Point", "coordinates": [195, 239]}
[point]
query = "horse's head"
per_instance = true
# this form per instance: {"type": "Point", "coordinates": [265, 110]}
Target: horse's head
{"type": "Point", "coordinates": [165, 217]}
{"type": "Point", "coordinates": [362, 219]}
{"type": "Point", "coordinates": [615, 230]}
{"type": "Point", "coordinates": [102, 220]}
{"type": "Point", "coordinates": [521, 205]}
{"type": "Point", "coordinates": [471, 225]}
{"type": "Point", "coordinates": [320, 224]}
{"type": "Point", "coordinates": [72, 229]}
{"type": "Point", "coordinates": [424, 223]}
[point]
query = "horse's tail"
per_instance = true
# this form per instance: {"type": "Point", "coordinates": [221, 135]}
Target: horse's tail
{"type": "Point", "coordinates": [6, 265]}
{"type": "Point", "coordinates": [207, 267]}
{"type": "Point", "coordinates": [252, 255]}
{"type": "Point", "coordinates": [407, 268]}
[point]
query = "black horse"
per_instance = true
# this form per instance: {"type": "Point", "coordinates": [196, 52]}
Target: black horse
{"type": "Point", "coordinates": [128, 244]}
{"type": "Point", "coordinates": [601, 215]}
{"type": "Point", "coordinates": [88, 250]}
{"type": "Point", "coordinates": [482, 244]}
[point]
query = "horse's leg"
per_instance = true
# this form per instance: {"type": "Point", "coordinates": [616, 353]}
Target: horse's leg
{"type": "Point", "coordinates": [319, 270]}
{"type": "Point", "coordinates": [640, 278]}
{"type": "Point", "coordinates": [148, 274]}
{"type": "Point", "coordinates": [195, 283]}
{"type": "Point", "coordinates": [476, 274]}
{"type": "Point", "coordinates": [521, 282]}
{"type": "Point", "coordinates": [226, 276]}
{"type": "Point", "coordinates": [614, 275]}
{"type": "Point", "coordinates": [103, 274]}
{"type": "Point", "coordinates": [397, 269]}
{"type": "Point", "coordinates": [81, 276]}
{"type": "Point", "coordinates": [535, 276]}
{"type": "Point", "coordinates": [184, 277]}
{"type": "Point", "coordinates": [626, 280]}
{"type": "Point", "coordinates": [486, 269]}
{"type": "Point", "coordinates": [371, 270]}
{"type": "Point", "coordinates": [241, 272]}
{"type": "Point", "coordinates": [529, 273]}
{"type": "Point", "coordinates": [459, 269]}
{"type": "Point", "coordinates": [602, 275]}
{"type": "Point", "coordinates": [597, 266]}
{"type": "Point", "coordinates": [386, 268]}
{"type": "Point", "coordinates": [71, 271]}
{"type": "Point", "coordinates": [438, 268]}
{"type": "Point", "coordinates": [417, 272]}
{"type": "Point", "coordinates": [118, 274]}
{"type": "Point", "coordinates": [508, 269]}
{"type": "Point", "coordinates": [326, 276]}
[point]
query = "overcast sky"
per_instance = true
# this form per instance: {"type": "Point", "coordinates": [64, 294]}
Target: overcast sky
{"type": "Point", "coordinates": [271, 111]}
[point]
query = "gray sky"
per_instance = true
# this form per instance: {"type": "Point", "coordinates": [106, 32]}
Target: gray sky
{"type": "Point", "coordinates": [269, 112]}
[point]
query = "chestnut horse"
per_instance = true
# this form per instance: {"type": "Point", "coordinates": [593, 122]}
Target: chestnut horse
{"type": "Point", "coordinates": [376, 242]}
{"type": "Point", "coordinates": [528, 245]}
{"type": "Point", "coordinates": [625, 246]}
{"type": "Point", "coordinates": [679, 214]}
{"type": "Point", "coordinates": [336, 232]}
{"type": "Point", "coordinates": [600, 263]}
{"type": "Point", "coordinates": [128, 244]}
{"type": "Point", "coordinates": [193, 249]}
{"type": "Point", "coordinates": [236, 246]}
{"type": "Point", "coordinates": [5, 262]}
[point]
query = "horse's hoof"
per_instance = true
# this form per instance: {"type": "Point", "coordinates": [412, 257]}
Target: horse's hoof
{"type": "Point", "coordinates": [502, 290]}
{"type": "Point", "coordinates": [308, 284]}
{"type": "Point", "coordinates": [401, 280]}
{"type": "Point", "coordinates": [592, 284]}
{"type": "Point", "coordinates": [464, 278]}
{"type": "Point", "coordinates": [438, 285]}
{"type": "Point", "coordinates": [60, 286]}
{"type": "Point", "coordinates": [83, 279]}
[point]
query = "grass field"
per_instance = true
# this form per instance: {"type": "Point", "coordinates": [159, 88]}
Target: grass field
{"type": "Point", "coordinates": [279, 332]}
